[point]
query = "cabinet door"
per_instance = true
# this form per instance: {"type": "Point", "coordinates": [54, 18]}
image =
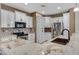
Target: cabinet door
{"type": "Point", "coordinates": [40, 29]}
{"type": "Point", "coordinates": [20, 17]}
{"type": "Point", "coordinates": [66, 23]}
{"type": "Point", "coordinates": [47, 21]}
{"type": "Point", "coordinates": [4, 18]}
{"type": "Point", "coordinates": [23, 17]}
{"type": "Point", "coordinates": [47, 36]}
{"type": "Point", "coordinates": [31, 37]}
{"type": "Point", "coordinates": [29, 22]}
{"type": "Point", "coordinates": [66, 20]}
{"type": "Point", "coordinates": [7, 18]}
{"type": "Point", "coordinates": [11, 19]}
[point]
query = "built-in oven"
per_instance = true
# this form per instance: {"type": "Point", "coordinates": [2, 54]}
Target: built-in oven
{"type": "Point", "coordinates": [20, 25]}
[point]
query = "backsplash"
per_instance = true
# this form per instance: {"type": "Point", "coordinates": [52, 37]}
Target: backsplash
{"type": "Point", "coordinates": [10, 30]}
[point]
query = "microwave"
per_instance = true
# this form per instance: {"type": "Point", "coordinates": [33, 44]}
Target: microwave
{"type": "Point", "coordinates": [20, 25]}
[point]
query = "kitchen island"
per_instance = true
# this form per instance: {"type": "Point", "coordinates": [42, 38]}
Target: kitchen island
{"type": "Point", "coordinates": [26, 47]}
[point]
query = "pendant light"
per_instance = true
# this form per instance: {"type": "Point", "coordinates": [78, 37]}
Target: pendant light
{"type": "Point", "coordinates": [76, 9]}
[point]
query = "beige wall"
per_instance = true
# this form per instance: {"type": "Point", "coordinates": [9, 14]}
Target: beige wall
{"type": "Point", "coordinates": [0, 21]}
{"type": "Point", "coordinates": [0, 14]}
{"type": "Point", "coordinates": [0, 5]}
{"type": "Point", "coordinates": [72, 21]}
{"type": "Point", "coordinates": [34, 25]}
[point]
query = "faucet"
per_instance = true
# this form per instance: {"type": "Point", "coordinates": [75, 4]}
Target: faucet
{"type": "Point", "coordinates": [68, 33]}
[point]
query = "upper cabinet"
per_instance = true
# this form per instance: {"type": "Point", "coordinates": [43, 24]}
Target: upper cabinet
{"type": "Point", "coordinates": [47, 21]}
{"type": "Point", "coordinates": [20, 17]}
{"type": "Point", "coordinates": [7, 19]}
{"type": "Point", "coordinates": [29, 22]}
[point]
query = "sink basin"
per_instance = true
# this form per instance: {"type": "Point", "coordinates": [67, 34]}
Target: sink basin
{"type": "Point", "coordinates": [62, 41]}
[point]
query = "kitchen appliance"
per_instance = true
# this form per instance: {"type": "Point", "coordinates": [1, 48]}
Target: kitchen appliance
{"type": "Point", "coordinates": [20, 25]}
{"type": "Point", "coordinates": [21, 35]}
{"type": "Point", "coordinates": [62, 41]}
{"type": "Point", "coordinates": [56, 29]}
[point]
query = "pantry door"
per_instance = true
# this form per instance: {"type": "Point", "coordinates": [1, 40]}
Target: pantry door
{"type": "Point", "coordinates": [40, 29]}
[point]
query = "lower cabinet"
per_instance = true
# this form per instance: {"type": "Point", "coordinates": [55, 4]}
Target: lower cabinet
{"type": "Point", "coordinates": [8, 38]}
{"type": "Point", "coordinates": [42, 26]}
{"type": "Point", "coordinates": [47, 36]}
{"type": "Point", "coordinates": [31, 37]}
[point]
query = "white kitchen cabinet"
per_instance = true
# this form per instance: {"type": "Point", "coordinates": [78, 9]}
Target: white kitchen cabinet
{"type": "Point", "coordinates": [47, 21]}
{"type": "Point", "coordinates": [11, 19]}
{"type": "Point", "coordinates": [48, 36]}
{"type": "Point", "coordinates": [3, 18]}
{"type": "Point", "coordinates": [7, 19]}
{"type": "Point", "coordinates": [56, 19]}
{"type": "Point", "coordinates": [29, 22]}
{"type": "Point", "coordinates": [42, 22]}
{"type": "Point", "coordinates": [20, 16]}
{"type": "Point", "coordinates": [31, 37]}
{"type": "Point", "coordinates": [66, 20]}
{"type": "Point", "coordinates": [8, 38]}
{"type": "Point", "coordinates": [40, 29]}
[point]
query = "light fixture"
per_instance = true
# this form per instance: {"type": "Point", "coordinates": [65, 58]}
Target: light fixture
{"type": "Point", "coordinates": [76, 9]}
{"type": "Point", "coordinates": [26, 3]}
{"type": "Point", "coordinates": [43, 12]}
{"type": "Point", "coordinates": [43, 9]}
{"type": "Point", "coordinates": [58, 7]}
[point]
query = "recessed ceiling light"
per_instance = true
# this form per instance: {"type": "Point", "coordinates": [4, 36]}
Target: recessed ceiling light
{"type": "Point", "coordinates": [43, 12]}
{"type": "Point", "coordinates": [58, 7]}
{"type": "Point", "coordinates": [26, 3]}
{"type": "Point", "coordinates": [76, 9]}
{"type": "Point", "coordinates": [42, 5]}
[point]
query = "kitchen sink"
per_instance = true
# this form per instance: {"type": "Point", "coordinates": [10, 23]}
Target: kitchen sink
{"type": "Point", "coordinates": [62, 41]}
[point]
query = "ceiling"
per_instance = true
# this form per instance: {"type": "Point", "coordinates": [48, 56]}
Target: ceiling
{"type": "Point", "coordinates": [49, 9]}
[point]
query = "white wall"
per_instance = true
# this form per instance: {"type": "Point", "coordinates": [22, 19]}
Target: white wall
{"type": "Point", "coordinates": [66, 23]}
{"type": "Point", "coordinates": [66, 20]}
